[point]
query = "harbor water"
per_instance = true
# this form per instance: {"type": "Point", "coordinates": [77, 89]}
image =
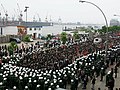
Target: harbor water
{"type": "Point", "coordinates": [57, 29]}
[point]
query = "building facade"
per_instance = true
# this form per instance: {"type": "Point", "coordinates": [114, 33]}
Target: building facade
{"type": "Point", "coordinates": [114, 22]}
{"type": "Point", "coordinates": [12, 30]}
{"type": "Point", "coordinates": [35, 32]}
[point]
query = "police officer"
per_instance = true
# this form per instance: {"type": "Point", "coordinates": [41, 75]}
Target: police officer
{"type": "Point", "coordinates": [26, 88]}
{"type": "Point", "coordinates": [101, 74]}
{"type": "Point", "coordinates": [111, 82]}
{"type": "Point", "coordinates": [85, 82]}
{"type": "Point", "coordinates": [93, 82]}
{"type": "Point", "coordinates": [72, 85]}
{"type": "Point", "coordinates": [116, 69]}
{"type": "Point", "coordinates": [38, 87]}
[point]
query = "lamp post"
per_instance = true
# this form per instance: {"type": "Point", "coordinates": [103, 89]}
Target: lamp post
{"type": "Point", "coordinates": [26, 12]}
{"type": "Point", "coordinates": [106, 44]}
{"type": "Point", "coordinates": [116, 15]}
{"type": "Point", "coordinates": [118, 23]}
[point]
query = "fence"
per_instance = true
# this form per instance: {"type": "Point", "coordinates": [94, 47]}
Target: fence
{"type": "Point", "coordinates": [6, 39]}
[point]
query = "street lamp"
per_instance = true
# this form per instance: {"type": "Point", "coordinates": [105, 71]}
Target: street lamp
{"type": "Point", "coordinates": [106, 44]}
{"type": "Point", "coordinates": [26, 12]}
{"type": "Point", "coordinates": [116, 15]}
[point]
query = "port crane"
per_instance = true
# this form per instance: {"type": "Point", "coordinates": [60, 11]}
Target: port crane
{"type": "Point", "coordinates": [5, 12]}
{"type": "Point", "coordinates": [20, 12]}
{"type": "Point", "coordinates": [50, 19]}
{"type": "Point", "coordinates": [16, 15]}
{"type": "Point", "coordinates": [39, 17]}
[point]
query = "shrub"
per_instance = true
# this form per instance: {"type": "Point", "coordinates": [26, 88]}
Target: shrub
{"type": "Point", "coordinates": [26, 38]}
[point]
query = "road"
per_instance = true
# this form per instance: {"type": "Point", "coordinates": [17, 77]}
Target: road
{"type": "Point", "coordinates": [19, 44]}
{"type": "Point", "coordinates": [101, 84]}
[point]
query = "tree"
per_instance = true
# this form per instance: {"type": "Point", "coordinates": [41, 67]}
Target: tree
{"type": "Point", "coordinates": [26, 38]}
{"type": "Point", "coordinates": [63, 37]}
{"type": "Point", "coordinates": [112, 29]}
{"type": "Point", "coordinates": [103, 30]}
{"type": "Point", "coordinates": [49, 36]}
{"type": "Point", "coordinates": [76, 35]}
{"type": "Point", "coordinates": [12, 47]}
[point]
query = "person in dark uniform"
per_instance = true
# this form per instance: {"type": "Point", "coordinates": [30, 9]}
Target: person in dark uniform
{"type": "Point", "coordinates": [107, 77]}
{"type": "Point", "coordinates": [76, 83]}
{"type": "Point", "coordinates": [15, 88]}
{"type": "Point", "coordinates": [93, 82]}
{"type": "Point", "coordinates": [101, 74]}
{"type": "Point", "coordinates": [111, 82]}
{"type": "Point", "coordinates": [112, 72]}
{"type": "Point", "coordinates": [1, 86]}
{"type": "Point", "coordinates": [85, 82]}
{"type": "Point", "coordinates": [38, 87]}
{"type": "Point", "coordinates": [61, 84]}
{"type": "Point", "coordinates": [107, 62]}
{"type": "Point", "coordinates": [99, 89]}
{"type": "Point", "coordinates": [46, 85]}
{"type": "Point", "coordinates": [116, 69]}
{"type": "Point", "coordinates": [65, 81]}
{"type": "Point", "coordinates": [26, 88]}
{"type": "Point", "coordinates": [72, 85]}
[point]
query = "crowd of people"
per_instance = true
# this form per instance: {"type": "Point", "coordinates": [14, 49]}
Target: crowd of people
{"type": "Point", "coordinates": [33, 68]}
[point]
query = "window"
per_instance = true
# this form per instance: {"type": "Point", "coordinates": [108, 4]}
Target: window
{"type": "Point", "coordinates": [18, 30]}
{"type": "Point", "coordinates": [30, 28]}
{"type": "Point", "coordinates": [39, 28]}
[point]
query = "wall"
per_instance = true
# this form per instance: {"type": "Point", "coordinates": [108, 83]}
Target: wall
{"type": "Point", "coordinates": [32, 31]}
{"type": "Point", "coordinates": [10, 30]}
{"type": "Point", "coordinates": [6, 39]}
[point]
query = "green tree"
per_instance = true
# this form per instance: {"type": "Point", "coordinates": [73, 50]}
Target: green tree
{"type": "Point", "coordinates": [63, 37]}
{"type": "Point", "coordinates": [49, 36]}
{"type": "Point", "coordinates": [112, 29]}
{"type": "Point", "coordinates": [26, 38]}
{"type": "Point", "coordinates": [12, 47]}
{"type": "Point", "coordinates": [76, 35]}
{"type": "Point", "coordinates": [103, 30]}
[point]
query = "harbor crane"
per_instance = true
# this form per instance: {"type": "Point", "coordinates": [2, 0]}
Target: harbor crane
{"type": "Point", "coordinates": [39, 17]}
{"type": "Point", "coordinates": [46, 19]}
{"type": "Point", "coordinates": [50, 19]}
{"type": "Point", "coordinates": [5, 12]}
{"type": "Point", "coordinates": [20, 12]}
{"type": "Point", "coordinates": [16, 14]}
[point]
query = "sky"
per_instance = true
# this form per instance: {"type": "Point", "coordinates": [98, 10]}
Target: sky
{"type": "Point", "coordinates": [67, 10]}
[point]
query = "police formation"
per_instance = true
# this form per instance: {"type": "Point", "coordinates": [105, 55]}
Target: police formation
{"type": "Point", "coordinates": [35, 69]}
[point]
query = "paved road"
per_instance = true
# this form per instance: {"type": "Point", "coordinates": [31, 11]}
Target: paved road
{"type": "Point", "coordinates": [19, 44]}
{"type": "Point", "coordinates": [101, 84]}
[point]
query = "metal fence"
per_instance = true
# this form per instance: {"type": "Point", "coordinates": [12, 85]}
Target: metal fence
{"type": "Point", "coordinates": [6, 39]}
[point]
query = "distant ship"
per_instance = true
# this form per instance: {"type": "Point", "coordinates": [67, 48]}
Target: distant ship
{"type": "Point", "coordinates": [23, 23]}
{"type": "Point", "coordinates": [68, 29]}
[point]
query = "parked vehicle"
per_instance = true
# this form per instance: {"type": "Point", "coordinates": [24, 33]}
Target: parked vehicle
{"type": "Point", "coordinates": [31, 40]}
{"type": "Point", "coordinates": [17, 40]}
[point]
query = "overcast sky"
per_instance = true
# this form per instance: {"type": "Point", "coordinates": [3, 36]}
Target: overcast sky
{"type": "Point", "coordinates": [68, 10]}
